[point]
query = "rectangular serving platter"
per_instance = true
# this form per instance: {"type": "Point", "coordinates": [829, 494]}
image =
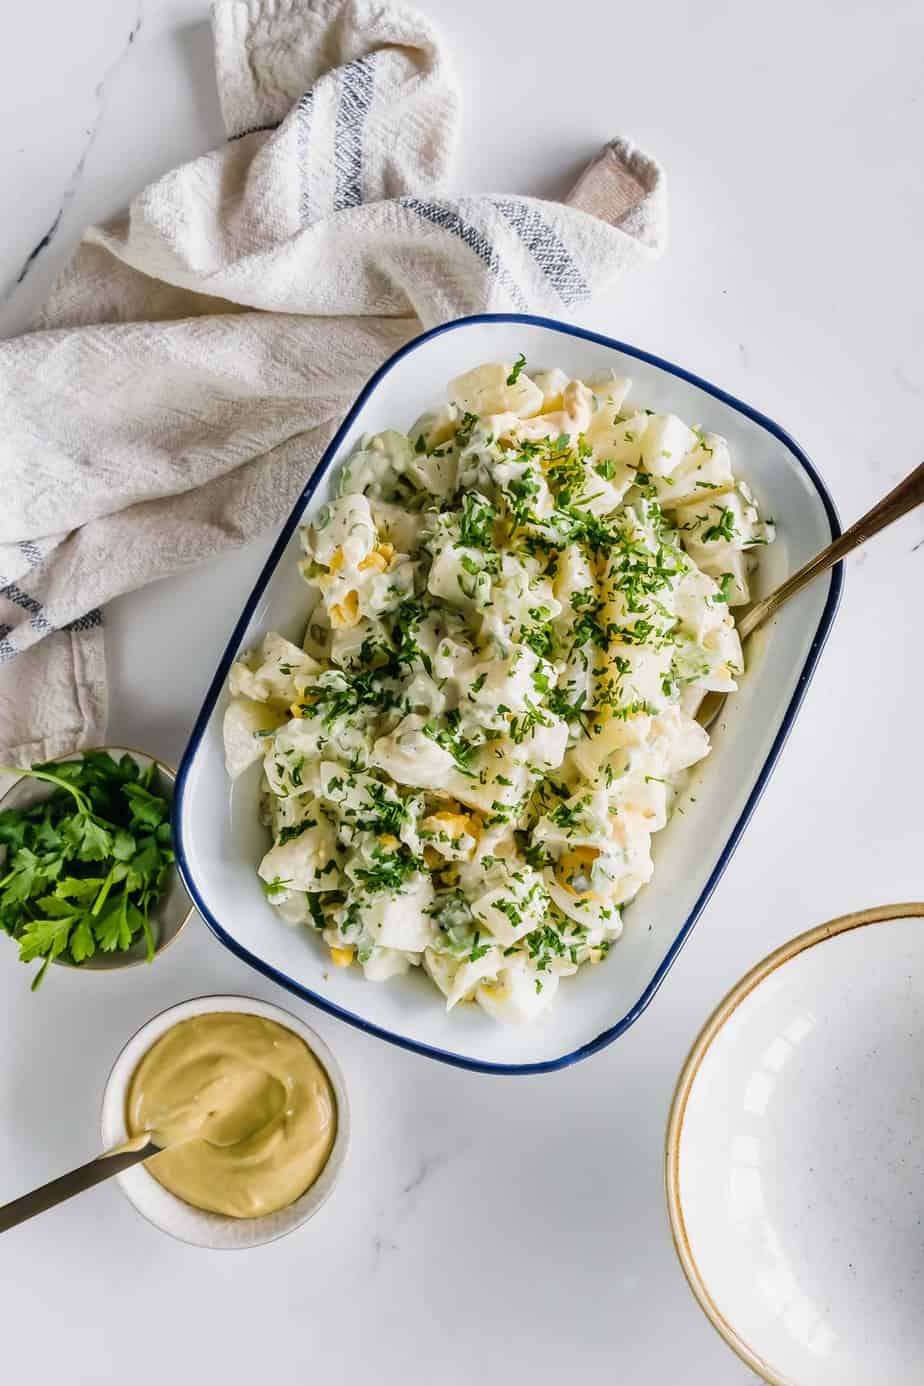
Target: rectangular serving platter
{"type": "Point", "coordinates": [218, 835]}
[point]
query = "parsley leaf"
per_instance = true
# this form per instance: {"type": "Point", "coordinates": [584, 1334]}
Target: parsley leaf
{"type": "Point", "coordinates": [476, 525]}
{"type": "Point", "coordinates": [478, 949]}
{"type": "Point", "coordinates": [723, 529]}
{"type": "Point", "coordinates": [82, 943]}
{"type": "Point", "coordinates": [514, 375]}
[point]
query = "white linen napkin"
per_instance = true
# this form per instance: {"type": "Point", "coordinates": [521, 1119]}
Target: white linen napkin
{"type": "Point", "coordinates": [199, 351]}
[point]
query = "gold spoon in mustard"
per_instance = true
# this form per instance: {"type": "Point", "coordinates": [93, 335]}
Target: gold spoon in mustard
{"type": "Point", "coordinates": [132, 1152]}
{"type": "Point", "coordinates": [186, 1124]}
{"type": "Point", "coordinates": [906, 495]}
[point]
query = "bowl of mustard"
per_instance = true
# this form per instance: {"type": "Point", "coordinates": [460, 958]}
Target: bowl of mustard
{"type": "Point", "coordinates": [250, 1109]}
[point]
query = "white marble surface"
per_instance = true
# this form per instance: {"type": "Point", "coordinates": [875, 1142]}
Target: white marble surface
{"type": "Point", "coordinates": [504, 1230]}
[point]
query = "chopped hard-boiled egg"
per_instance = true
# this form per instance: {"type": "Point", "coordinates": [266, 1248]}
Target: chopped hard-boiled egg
{"type": "Point", "coordinates": [453, 836]}
{"type": "Point", "coordinates": [510, 614]}
{"type": "Point", "coordinates": [247, 725]}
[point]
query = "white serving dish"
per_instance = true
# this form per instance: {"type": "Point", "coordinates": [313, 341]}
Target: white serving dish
{"type": "Point", "coordinates": [219, 838]}
{"type": "Point", "coordinates": [794, 1157]}
{"type": "Point", "coordinates": [164, 1209]}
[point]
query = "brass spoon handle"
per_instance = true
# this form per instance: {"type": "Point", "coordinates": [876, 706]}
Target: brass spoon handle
{"type": "Point", "coordinates": [103, 1167]}
{"type": "Point", "coordinates": [905, 497]}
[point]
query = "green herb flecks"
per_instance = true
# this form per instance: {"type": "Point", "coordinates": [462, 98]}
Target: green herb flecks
{"type": "Point", "coordinates": [724, 529]}
{"type": "Point", "coordinates": [477, 522]}
{"type": "Point", "coordinates": [514, 375]}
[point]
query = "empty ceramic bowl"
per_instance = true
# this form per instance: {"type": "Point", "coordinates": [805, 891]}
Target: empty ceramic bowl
{"type": "Point", "coordinates": [795, 1157]}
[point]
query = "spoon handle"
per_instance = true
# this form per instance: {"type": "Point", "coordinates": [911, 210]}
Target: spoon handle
{"type": "Point", "coordinates": [57, 1190]}
{"type": "Point", "coordinates": [905, 497]}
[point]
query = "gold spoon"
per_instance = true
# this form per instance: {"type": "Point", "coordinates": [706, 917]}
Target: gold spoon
{"type": "Point", "coordinates": [905, 497]}
{"type": "Point", "coordinates": [136, 1149]}
{"type": "Point", "coordinates": [132, 1152]}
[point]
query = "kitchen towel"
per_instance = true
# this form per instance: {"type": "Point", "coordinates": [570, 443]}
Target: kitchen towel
{"type": "Point", "coordinates": [196, 355]}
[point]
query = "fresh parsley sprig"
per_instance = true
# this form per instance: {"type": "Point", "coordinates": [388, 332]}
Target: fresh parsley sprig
{"type": "Point", "coordinates": [83, 868]}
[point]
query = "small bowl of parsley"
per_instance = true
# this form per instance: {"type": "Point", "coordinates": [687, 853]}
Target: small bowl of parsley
{"type": "Point", "coordinates": [87, 871]}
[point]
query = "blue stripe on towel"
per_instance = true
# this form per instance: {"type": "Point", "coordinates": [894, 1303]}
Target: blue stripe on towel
{"type": "Point", "coordinates": [547, 249]}
{"type": "Point", "coordinates": [254, 130]}
{"type": "Point", "coordinates": [31, 552]}
{"type": "Point", "coordinates": [20, 598]}
{"type": "Point", "coordinates": [448, 219]}
{"type": "Point", "coordinates": [91, 621]}
{"type": "Point", "coordinates": [356, 83]}
{"type": "Point", "coordinates": [303, 113]}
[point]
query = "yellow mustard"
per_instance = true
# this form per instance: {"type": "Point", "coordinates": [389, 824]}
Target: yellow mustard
{"type": "Point", "coordinates": [244, 1110]}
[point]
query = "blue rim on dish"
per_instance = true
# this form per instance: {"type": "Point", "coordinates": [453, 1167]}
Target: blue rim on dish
{"type": "Point", "coordinates": [234, 644]}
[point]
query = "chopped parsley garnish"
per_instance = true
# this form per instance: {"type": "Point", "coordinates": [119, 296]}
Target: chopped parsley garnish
{"type": "Point", "coordinates": [514, 375]}
{"type": "Point", "coordinates": [293, 830]}
{"type": "Point", "coordinates": [465, 430]}
{"type": "Point", "coordinates": [477, 522]}
{"type": "Point", "coordinates": [520, 494]}
{"type": "Point", "coordinates": [317, 914]}
{"type": "Point", "coordinates": [447, 736]}
{"type": "Point", "coordinates": [277, 886]}
{"type": "Point", "coordinates": [387, 811]}
{"type": "Point", "coordinates": [724, 528]}
{"type": "Point", "coordinates": [478, 949]}
{"type": "Point", "coordinates": [405, 623]}
{"type": "Point", "coordinates": [389, 870]}
{"type": "Point", "coordinates": [346, 696]}
{"type": "Point", "coordinates": [540, 639]}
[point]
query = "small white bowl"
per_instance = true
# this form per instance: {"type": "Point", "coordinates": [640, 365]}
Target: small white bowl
{"type": "Point", "coordinates": [795, 1153]}
{"type": "Point", "coordinates": [163, 1208]}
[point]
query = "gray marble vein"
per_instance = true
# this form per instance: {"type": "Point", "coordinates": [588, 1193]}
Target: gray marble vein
{"type": "Point", "coordinates": [427, 1166]}
{"type": "Point", "coordinates": [904, 381]}
{"type": "Point", "coordinates": [401, 1208]}
{"type": "Point", "coordinates": [41, 245]}
{"type": "Point", "coordinates": [100, 95]}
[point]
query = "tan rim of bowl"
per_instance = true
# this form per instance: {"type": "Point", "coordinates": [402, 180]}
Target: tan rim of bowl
{"type": "Point", "coordinates": [169, 771]}
{"type": "Point", "coordinates": [722, 1013]}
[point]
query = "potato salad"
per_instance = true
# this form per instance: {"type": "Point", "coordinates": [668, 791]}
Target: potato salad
{"type": "Point", "coordinates": [511, 614]}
